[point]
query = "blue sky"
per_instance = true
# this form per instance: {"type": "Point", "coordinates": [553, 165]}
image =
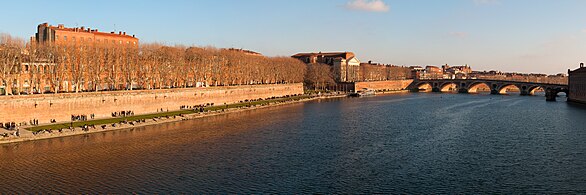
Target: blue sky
{"type": "Point", "coordinates": [511, 35]}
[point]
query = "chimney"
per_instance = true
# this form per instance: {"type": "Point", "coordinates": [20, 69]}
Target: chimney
{"type": "Point", "coordinates": [582, 65]}
{"type": "Point", "coordinates": [89, 29]}
{"type": "Point", "coordinates": [60, 26]}
{"type": "Point", "coordinates": [119, 32]}
{"type": "Point", "coordinates": [82, 28]}
{"type": "Point", "coordinates": [133, 36]}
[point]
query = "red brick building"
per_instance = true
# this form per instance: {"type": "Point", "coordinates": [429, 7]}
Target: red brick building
{"type": "Point", "coordinates": [345, 64]}
{"type": "Point", "coordinates": [62, 35]}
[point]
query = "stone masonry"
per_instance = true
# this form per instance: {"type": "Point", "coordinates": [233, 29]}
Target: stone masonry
{"type": "Point", "coordinates": [392, 85]}
{"type": "Point", "coordinates": [60, 107]}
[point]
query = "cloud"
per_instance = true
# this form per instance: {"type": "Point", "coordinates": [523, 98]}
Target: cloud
{"type": "Point", "coordinates": [487, 2]}
{"type": "Point", "coordinates": [459, 34]}
{"type": "Point", "coordinates": [368, 5]}
{"type": "Point", "coordinates": [584, 30]}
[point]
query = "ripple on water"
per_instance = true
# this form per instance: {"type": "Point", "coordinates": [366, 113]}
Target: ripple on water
{"type": "Point", "coordinates": [408, 143]}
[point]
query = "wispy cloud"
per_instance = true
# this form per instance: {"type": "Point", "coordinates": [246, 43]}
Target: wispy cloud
{"type": "Point", "coordinates": [368, 5]}
{"type": "Point", "coordinates": [459, 34]}
{"type": "Point", "coordinates": [487, 2]}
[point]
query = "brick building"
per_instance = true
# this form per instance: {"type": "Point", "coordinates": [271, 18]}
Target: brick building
{"type": "Point", "coordinates": [577, 85]}
{"type": "Point", "coordinates": [345, 64]}
{"type": "Point", "coordinates": [36, 74]}
{"type": "Point", "coordinates": [432, 72]}
{"type": "Point", "coordinates": [62, 35]}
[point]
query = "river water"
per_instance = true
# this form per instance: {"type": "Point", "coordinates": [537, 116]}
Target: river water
{"type": "Point", "coordinates": [408, 143]}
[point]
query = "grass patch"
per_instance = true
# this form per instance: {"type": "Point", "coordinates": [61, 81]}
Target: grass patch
{"type": "Point", "coordinates": [164, 114]}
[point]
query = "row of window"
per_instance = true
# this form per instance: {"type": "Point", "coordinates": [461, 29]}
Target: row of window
{"type": "Point", "coordinates": [82, 39]}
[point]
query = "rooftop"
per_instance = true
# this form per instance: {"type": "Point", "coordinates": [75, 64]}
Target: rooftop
{"type": "Point", "coordinates": [61, 27]}
{"type": "Point", "coordinates": [346, 55]}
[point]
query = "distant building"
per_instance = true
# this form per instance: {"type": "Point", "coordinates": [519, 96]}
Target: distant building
{"type": "Point", "coordinates": [577, 85]}
{"type": "Point", "coordinates": [432, 72]}
{"type": "Point", "coordinates": [62, 35]}
{"type": "Point", "coordinates": [416, 68]}
{"type": "Point", "coordinates": [345, 64]}
{"type": "Point", "coordinates": [417, 71]}
{"type": "Point", "coordinates": [247, 52]}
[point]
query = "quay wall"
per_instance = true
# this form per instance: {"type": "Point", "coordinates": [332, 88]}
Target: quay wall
{"type": "Point", "coordinates": [391, 85]}
{"type": "Point", "coordinates": [60, 107]}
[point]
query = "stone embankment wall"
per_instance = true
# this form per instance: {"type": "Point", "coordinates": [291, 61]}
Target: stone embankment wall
{"type": "Point", "coordinates": [393, 85]}
{"type": "Point", "coordinates": [60, 107]}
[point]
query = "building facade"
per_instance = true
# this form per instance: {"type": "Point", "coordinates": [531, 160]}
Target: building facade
{"type": "Point", "coordinates": [36, 73]}
{"type": "Point", "coordinates": [345, 64]}
{"type": "Point", "coordinates": [577, 85]}
{"type": "Point", "coordinates": [62, 35]}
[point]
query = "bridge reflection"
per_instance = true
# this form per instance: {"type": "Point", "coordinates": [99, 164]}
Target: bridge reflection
{"type": "Point", "coordinates": [493, 86]}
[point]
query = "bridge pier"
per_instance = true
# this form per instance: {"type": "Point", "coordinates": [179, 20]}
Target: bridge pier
{"type": "Point", "coordinates": [462, 90]}
{"type": "Point", "coordinates": [525, 93]}
{"type": "Point", "coordinates": [494, 92]}
{"type": "Point", "coordinates": [550, 95]}
{"type": "Point", "coordinates": [436, 89]}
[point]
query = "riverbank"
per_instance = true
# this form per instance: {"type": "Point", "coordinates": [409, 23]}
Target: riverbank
{"type": "Point", "coordinates": [62, 107]}
{"type": "Point", "coordinates": [31, 133]}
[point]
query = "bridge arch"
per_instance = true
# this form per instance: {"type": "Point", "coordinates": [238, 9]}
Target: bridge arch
{"type": "Point", "coordinates": [532, 89]}
{"type": "Point", "coordinates": [551, 93]}
{"type": "Point", "coordinates": [449, 87]}
{"type": "Point", "coordinates": [424, 86]}
{"type": "Point", "coordinates": [476, 86]}
{"type": "Point", "coordinates": [504, 89]}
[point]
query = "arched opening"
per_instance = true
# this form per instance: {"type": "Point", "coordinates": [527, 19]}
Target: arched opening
{"type": "Point", "coordinates": [424, 87]}
{"type": "Point", "coordinates": [449, 88]}
{"type": "Point", "coordinates": [536, 90]}
{"type": "Point", "coordinates": [479, 88]}
{"type": "Point", "coordinates": [509, 90]}
{"type": "Point", "coordinates": [552, 94]}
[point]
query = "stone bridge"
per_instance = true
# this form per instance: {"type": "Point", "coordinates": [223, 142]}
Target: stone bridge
{"type": "Point", "coordinates": [494, 86]}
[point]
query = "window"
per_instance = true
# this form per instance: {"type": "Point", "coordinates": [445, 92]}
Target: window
{"type": "Point", "coordinates": [73, 39]}
{"type": "Point", "coordinates": [120, 42]}
{"type": "Point", "coordinates": [81, 39]}
{"type": "Point", "coordinates": [134, 42]}
{"type": "Point", "coordinates": [89, 39]}
{"type": "Point", "coordinates": [65, 38]}
{"type": "Point", "coordinates": [56, 37]}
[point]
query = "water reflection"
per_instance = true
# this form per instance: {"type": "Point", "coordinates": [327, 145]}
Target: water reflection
{"type": "Point", "coordinates": [406, 143]}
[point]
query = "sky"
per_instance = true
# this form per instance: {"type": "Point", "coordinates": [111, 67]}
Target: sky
{"type": "Point", "coordinates": [529, 36]}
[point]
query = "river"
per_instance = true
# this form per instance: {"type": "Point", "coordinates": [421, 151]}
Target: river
{"type": "Point", "coordinates": [407, 143]}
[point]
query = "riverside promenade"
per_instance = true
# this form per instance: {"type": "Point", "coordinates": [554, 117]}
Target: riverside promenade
{"type": "Point", "coordinates": [61, 107]}
{"type": "Point", "coordinates": [30, 133]}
